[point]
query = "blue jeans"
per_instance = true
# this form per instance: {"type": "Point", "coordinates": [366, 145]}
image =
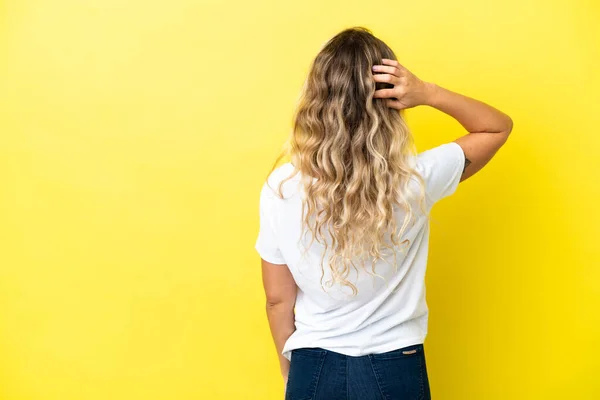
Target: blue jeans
{"type": "Point", "coordinates": [320, 374]}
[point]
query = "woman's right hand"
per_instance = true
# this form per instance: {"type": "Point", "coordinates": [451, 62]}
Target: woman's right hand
{"type": "Point", "coordinates": [408, 91]}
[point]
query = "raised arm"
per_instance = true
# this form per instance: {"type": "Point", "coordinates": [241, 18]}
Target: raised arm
{"type": "Point", "coordinates": [488, 127]}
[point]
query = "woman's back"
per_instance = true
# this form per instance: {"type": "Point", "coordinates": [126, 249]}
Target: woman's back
{"type": "Point", "coordinates": [389, 310]}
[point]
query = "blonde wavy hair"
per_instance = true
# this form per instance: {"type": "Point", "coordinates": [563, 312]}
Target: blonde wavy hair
{"type": "Point", "coordinates": [357, 148]}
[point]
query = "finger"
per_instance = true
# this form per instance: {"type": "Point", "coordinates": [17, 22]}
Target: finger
{"type": "Point", "coordinates": [394, 63]}
{"type": "Point", "coordinates": [395, 104]}
{"type": "Point", "coordinates": [388, 78]}
{"type": "Point", "coordinates": [388, 69]}
{"type": "Point", "coordinates": [384, 94]}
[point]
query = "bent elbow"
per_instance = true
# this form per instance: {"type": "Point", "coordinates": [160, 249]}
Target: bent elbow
{"type": "Point", "coordinates": [509, 125]}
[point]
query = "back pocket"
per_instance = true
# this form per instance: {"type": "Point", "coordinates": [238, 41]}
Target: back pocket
{"type": "Point", "coordinates": [400, 372]}
{"type": "Point", "coordinates": [407, 351]}
{"type": "Point", "coordinates": [305, 369]}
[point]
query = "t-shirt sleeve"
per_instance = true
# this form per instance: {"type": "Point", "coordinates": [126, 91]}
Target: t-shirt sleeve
{"type": "Point", "coordinates": [441, 168]}
{"type": "Point", "coordinates": [266, 243]}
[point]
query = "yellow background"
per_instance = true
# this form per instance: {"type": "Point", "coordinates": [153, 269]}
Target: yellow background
{"type": "Point", "coordinates": [135, 136]}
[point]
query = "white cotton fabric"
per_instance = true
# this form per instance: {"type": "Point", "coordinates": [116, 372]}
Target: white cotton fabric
{"type": "Point", "coordinates": [385, 315]}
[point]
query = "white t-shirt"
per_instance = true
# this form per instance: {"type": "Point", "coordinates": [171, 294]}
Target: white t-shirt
{"type": "Point", "coordinates": [383, 316]}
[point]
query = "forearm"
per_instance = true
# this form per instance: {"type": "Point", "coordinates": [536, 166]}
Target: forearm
{"type": "Point", "coordinates": [281, 323]}
{"type": "Point", "coordinates": [473, 115]}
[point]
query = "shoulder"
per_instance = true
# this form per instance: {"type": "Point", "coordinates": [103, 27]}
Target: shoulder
{"type": "Point", "coordinates": [280, 174]}
{"type": "Point", "coordinates": [441, 167]}
{"type": "Point", "coordinates": [446, 152]}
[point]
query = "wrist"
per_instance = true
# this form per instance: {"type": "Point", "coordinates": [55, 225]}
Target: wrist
{"type": "Point", "coordinates": [430, 94]}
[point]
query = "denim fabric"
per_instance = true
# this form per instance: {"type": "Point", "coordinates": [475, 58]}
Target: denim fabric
{"type": "Point", "coordinates": [320, 374]}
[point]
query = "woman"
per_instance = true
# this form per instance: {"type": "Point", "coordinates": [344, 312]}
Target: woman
{"type": "Point", "coordinates": [344, 226]}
